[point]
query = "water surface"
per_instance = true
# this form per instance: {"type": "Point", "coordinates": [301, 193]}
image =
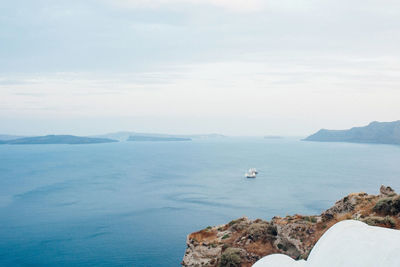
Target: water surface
{"type": "Point", "coordinates": [133, 203]}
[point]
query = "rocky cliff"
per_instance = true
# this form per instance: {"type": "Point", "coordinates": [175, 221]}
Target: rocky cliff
{"type": "Point", "coordinates": [242, 242]}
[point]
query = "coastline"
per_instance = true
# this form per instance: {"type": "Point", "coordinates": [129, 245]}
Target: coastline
{"type": "Point", "coordinates": [242, 242]}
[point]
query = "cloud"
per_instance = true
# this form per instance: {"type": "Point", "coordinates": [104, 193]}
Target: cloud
{"type": "Point", "coordinates": [231, 5]}
{"type": "Point", "coordinates": [203, 58]}
{"type": "Point", "coordinates": [243, 92]}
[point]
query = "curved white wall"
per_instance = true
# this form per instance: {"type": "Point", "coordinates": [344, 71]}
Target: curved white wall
{"type": "Point", "coordinates": [347, 244]}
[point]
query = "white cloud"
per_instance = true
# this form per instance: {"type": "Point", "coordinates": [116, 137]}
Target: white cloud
{"type": "Point", "coordinates": [232, 5]}
{"type": "Point", "coordinates": [297, 63]}
{"type": "Point", "coordinates": [241, 97]}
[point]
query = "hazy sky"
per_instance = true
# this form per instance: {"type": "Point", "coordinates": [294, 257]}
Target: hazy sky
{"type": "Point", "coordinates": [236, 67]}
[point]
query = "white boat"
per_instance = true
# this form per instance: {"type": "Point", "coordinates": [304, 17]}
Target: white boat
{"type": "Point", "coordinates": [253, 170]}
{"type": "Point", "coordinates": [251, 173]}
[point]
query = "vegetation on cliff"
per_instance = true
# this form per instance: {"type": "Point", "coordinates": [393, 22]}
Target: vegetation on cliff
{"type": "Point", "coordinates": [242, 242]}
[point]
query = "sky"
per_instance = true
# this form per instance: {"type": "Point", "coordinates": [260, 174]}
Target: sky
{"type": "Point", "coordinates": [235, 67]}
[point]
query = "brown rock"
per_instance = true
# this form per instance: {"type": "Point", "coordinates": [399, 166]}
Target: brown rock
{"type": "Point", "coordinates": [386, 191]}
{"type": "Point", "coordinates": [242, 242]}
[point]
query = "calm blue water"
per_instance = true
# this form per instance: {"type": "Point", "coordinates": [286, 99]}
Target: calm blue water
{"type": "Point", "coordinates": [132, 204]}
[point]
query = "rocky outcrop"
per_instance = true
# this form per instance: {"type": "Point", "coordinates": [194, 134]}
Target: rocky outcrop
{"type": "Point", "coordinates": [386, 191]}
{"type": "Point", "coordinates": [242, 242]}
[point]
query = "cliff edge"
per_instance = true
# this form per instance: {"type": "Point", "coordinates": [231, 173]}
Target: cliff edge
{"type": "Point", "coordinates": [242, 242]}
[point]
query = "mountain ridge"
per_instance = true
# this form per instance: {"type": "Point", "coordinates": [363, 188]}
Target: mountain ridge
{"type": "Point", "coordinates": [125, 135]}
{"type": "Point", "coordinates": [57, 139]}
{"type": "Point", "coordinates": [141, 138]}
{"type": "Point", "coordinates": [375, 133]}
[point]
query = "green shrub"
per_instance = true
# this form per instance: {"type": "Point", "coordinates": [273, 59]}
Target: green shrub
{"type": "Point", "coordinates": [388, 206]}
{"type": "Point", "coordinates": [390, 221]}
{"type": "Point", "coordinates": [272, 230]}
{"type": "Point", "coordinates": [282, 247]}
{"type": "Point", "coordinates": [262, 231]}
{"type": "Point", "coordinates": [310, 219]}
{"type": "Point", "coordinates": [233, 222]}
{"type": "Point", "coordinates": [230, 258]}
{"type": "Point", "coordinates": [383, 205]}
{"type": "Point", "coordinates": [239, 224]}
{"type": "Point", "coordinates": [225, 236]}
{"type": "Point", "coordinates": [375, 220]}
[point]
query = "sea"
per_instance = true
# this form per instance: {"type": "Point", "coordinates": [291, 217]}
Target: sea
{"type": "Point", "coordinates": [134, 203]}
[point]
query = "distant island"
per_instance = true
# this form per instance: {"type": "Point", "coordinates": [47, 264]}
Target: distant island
{"type": "Point", "coordinates": [273, 137]}
{"type": "Point", "coordinates": [56, 139]}
{"type": "Point", "coordinates": [103, 138]}
{"type": "Point", "coordinates": [141, 138]}
{"type": "Point", "coordinates": [7, 137]}
{"type": "Point", "coordinates": [125, 135]}
{"type": "Point", "coordinates": [375, 132]}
